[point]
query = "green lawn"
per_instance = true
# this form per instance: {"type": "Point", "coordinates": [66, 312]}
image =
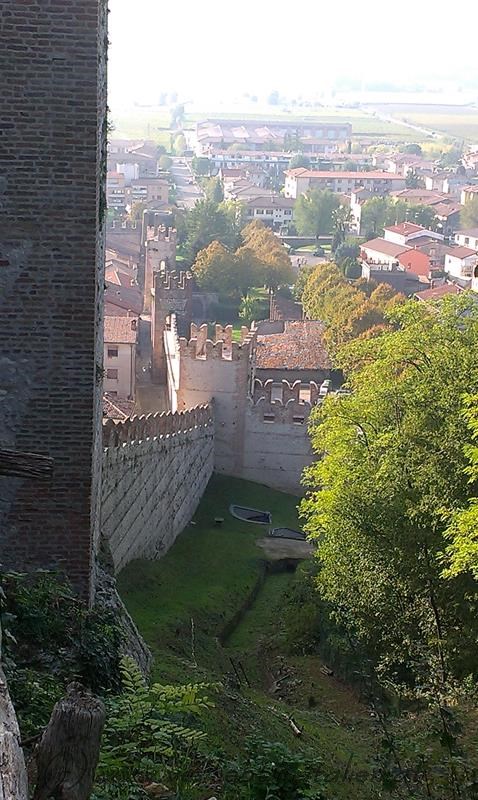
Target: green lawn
{"type": "Point", "coordinates": [207, 576]}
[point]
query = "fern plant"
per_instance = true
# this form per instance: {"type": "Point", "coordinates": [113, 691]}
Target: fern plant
{"type": "Point", "coordinates": [146, 727]}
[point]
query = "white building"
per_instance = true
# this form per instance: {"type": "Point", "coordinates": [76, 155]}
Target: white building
{"type": "Point", "coordinates": [460, 263]}
{"type": "Point", "coordinates": [300, 180]}
{"type": "Point", "coordinates": [271, 209]}
{"type": "Point", "coordinates": [120, 356]}
{"type": "Point", "coordinates": [406, 232]}
{"type": "Point", "coordinates": [467, 238]}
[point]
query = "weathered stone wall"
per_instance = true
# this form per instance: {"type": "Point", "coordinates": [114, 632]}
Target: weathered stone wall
{"type": "Point", "coordinates": [155, 470]}
{"type": "Point", "coordinates": [52, 201]}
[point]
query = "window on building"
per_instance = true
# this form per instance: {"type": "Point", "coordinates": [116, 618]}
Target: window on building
{"type": "Point", "coordinates": [112, 374]}
{"type": "Point", "coordinates": [112, 352]}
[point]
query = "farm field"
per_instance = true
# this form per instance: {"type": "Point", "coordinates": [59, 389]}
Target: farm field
{"type": "Point", "coordinates": [153, 123]}
{"type": "Point", "coordinates": [460, 122]}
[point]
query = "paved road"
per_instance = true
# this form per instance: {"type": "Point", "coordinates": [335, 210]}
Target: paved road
{"type": "Point", "coordinates": [188, 192]}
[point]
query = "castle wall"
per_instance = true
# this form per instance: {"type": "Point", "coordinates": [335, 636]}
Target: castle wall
{"type": "Point", "coordinates": [218, 371]}
{"type": "Point", "coordinates": [155, 470]}
{"type": "Point", "coordinates": [52, 200]}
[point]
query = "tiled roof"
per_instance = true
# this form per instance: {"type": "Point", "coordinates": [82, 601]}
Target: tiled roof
{"type": "Point", "coordinates": [116, 408]}
{"type": "Point", "coordinates": [438, 292]}
{"type": "Point", "coordinates": [405, 228]}
{"type": "Point", "coordinates": [126, 297]}
{"type": "Point", "coordinates": [120, 330]}
{"type": "Point", "coordinates": [271, 201]}
{"type": "Point", "coordinates": [387, 248]}
{"type": "Point", "coordinates": [462, 252]}
{"type": "Point", "coordinates": [300, 346]}
{"type": "Point", "coordinates": [416, 262]}
{"type": "Point", "coordinates": [467, 232]}
{"type": "Point", "coordinates": [447, 209]}
{"type": "Point", "coordinates": [334, 174]}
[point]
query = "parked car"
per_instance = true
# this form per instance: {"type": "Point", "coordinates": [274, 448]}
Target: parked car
{"type": "Point", "coordinates": [318, 252]}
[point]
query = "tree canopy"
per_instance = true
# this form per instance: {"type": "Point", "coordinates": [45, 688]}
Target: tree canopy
{"type": "Point", "coordinates": [313, 212]}
{"type": "Point", "coordinates": [270, 252]}
{"type": "Point", "coordinates": [378, 212]}
{"type": "Point", "coordinates": [393, 466]}
{"type": "Point", "coordinates": [299, 160]}
{"type": "Point", "coordinates": [469, 214]}
{"type": "Point", "coordinates": [206, 223]}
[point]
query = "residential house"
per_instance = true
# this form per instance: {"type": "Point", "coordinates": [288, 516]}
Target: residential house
{"type": "Point", "coordinates": [148, 191]}
{"type": "Point", "coordinates": [120, 337]}
{"type": "Point", "coordinates": [271, 209]}
{"type": "Point", "coordinates": [470, 161]}
{"type": "Point", "coordinates": [467, 238]}
{"type": "Point", "coordinates": [422, 197]}
{"type": "Point", "coordinates": [357, 198]}
{"type": "Point", "coordinates": [460, 263]}
{"type": "Point", "coordinates": [308, 136]}
{"type": "Point", "coordinates": [468, 193]}
{"type": "Point", "coordinates": [447, 216]}
{"type": "Point", "coordinates": [298, 181]}
{"type": "Point", "coordinates": [390, 272]}
{"type": "Point", "coordinates": [381, 251]}
{"type": "Point", "coordinates": [407, 232]}
{"type": "Point", "coordinates": [121, 301]}
{"type": "Point", "coordinates": [416, 263]}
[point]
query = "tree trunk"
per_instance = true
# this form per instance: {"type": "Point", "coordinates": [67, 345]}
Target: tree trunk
{"type": "Point", "coordinates": [68, 751]}
{"type": "Point", "coordinates": [13, 773]}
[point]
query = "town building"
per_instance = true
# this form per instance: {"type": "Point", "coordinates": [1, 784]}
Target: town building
{"type": "Point", "coordinates": [390, 272]}
{"type": "Point", "coordinates": [468, 193]}
{"type": "Point", "coordinates": [292, 350]}
{"type": "Point", "coordinates": [460, 263]}
{"type": "Point", "coordinates": [308, 137]}
{"type": "Point", "coordinates": [300, 180]}
{"type": "Point", "coordinates": [467, 237]}
{"type": "Point", "coordinates": [271, 209]}
{"type": "Point", "coordinates": [437, 292]}
{"type": "Point", "coordinates": [120, 356]}
{"type": "Point", "coordinates": [382, 251]}
{"type": "Point", "coordinates": [407, 233]}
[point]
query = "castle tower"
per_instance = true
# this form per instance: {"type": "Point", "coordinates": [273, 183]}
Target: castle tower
{"type": "Point", "coordinates": [160, 256]}
{"type": "Point", "coordinates": [52, 196]}
{"type": "Point", "coordinates": [172, 293]}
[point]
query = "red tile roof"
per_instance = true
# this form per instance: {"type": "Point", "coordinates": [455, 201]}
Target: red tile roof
{"type": "Point", "coordinates": [462, 252]}
{"type": "Point", "coordinates": [117, 408]}
{"type": "Point", "coordinates": [125, 297]}
{"type": "Point", "coordinates": [387, 248]}
{"type": "Point", "coordinates": [121, 330]}
{"type": "Point", "coordinates": [405, 228]}
{"type": "Point", "coordinates": [300, 346]}
{"type": "Point", "coordinates": [416, 262]}
{"type": "Point", "coordinates": [438, 292]}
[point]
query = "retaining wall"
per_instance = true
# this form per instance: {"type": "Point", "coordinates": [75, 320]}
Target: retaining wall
{"type": "Point", "coordinates": [155, 471]}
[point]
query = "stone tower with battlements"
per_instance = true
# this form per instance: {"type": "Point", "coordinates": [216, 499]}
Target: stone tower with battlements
{"type": "Point", "coordinates": [160, 256]}
{"type": "Point", "coordinates": [52, 199]}
{"type": "Point", "coordinates": [171, 294]}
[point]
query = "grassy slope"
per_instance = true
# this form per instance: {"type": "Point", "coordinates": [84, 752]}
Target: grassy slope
{"type": "Point", "coordinates": [207, 575]}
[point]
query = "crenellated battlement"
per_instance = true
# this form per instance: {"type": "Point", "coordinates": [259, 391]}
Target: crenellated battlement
{"type": "Point", "coordinates": [273, 392]}
{"type": "Point", "coordinates": [122, 225]}
{"type": "Point", "coordinates": [172, 281]}
{"type": "Point", "coordinates": [154, 426]}
{"type": "Point", "coordinates": [200, 347]}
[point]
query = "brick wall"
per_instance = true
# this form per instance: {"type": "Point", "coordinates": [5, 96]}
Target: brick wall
{"type": "Point", "coordinates": [52, 126]}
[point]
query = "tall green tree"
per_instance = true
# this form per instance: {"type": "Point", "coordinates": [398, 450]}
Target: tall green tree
{"type": "Point", "coordinates": [469, 214]}
{"type": "Point", "coordinates": [392, 466]}
{"type": "Point", "coordinates": [207, 223]}
{"type": "Point", "coordinates": [313, 212]}
{"type": "Point", "coordinates": [299, 160]}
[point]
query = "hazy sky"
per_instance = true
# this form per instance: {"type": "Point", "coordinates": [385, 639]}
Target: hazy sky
{"type": "Point", "coordinates": [223, 47]}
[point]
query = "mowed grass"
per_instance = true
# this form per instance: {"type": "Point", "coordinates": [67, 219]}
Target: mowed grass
{"type": "Point", "coordinates": [207, 574]}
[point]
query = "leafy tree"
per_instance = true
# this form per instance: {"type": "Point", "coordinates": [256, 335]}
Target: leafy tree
{"type": "Point", "coordinates": [214, 190]}
{"type": "Point", "coordinates": [414, 180]}
{"type": "Point", "coordinates": [375, 215]}
{"type": "Point", "coordinates": [463, 528]}
{"type": "Point", "coordinates": [269, 251]}
{"type": "Point", "coordinates": [201, 165]}
{"type": "Point", "coordinates": [412, 148]}
{"type": "Point", "coordinates": [206, 223]}
{"type": "Point", "coordinates": [348, 249]}
{"type": "Point", "coordinates": [165, 162]}
{"type": "Point", "coordinates": [352, 268]}
{"type": "Point", "coordinates": [179, 145]}
{"type": "Point", "coordinates": [469, 214]}
{"type": "Point", "coordinates": [313, 212]}
{"type": "Point", "coordinates": [299, 160]}
{"type": "Point", "coordinates": [342, 218]}
{"type": "Point", "coordinates": [137, 209]}
{"type": "Point", "coordinates": [303, 275]}
{"type": "Point", "coordinates": [235, 212]}
{"type": "Point", "coordinates": [394, 463]}
{"type": "Point", "coordinates": [215, 269]}
{"type": "Point", "coordinates": [250, 310]}
{"type": "Point", "coordinates": [177, 117]}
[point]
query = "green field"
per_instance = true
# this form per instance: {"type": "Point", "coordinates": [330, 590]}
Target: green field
{"type": "Point", "coordinates": [460, 122]}
{"type": "Point", "coordinates": [181, 605]}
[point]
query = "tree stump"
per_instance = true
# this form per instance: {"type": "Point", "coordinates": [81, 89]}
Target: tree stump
{"type": "Point", "coordinates": [68, 752]}
{"type": "Point", "coordinates": [13, 773]}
